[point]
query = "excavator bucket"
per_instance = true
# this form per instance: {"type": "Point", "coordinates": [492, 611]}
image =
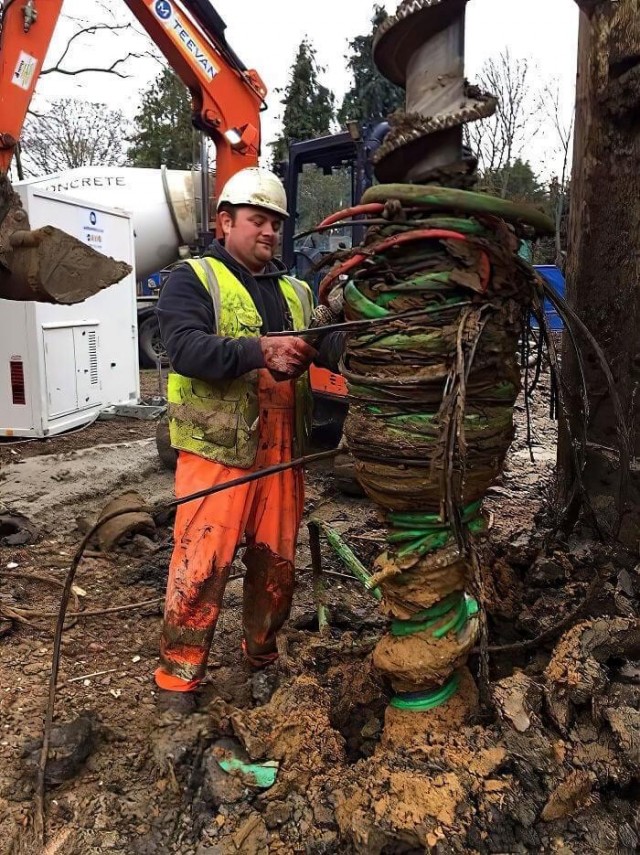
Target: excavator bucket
{"type": "Point", "coordinates": [47, 265]}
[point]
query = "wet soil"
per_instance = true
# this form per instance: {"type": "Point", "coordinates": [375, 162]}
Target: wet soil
{"type": "Point", "coordinates": [551, 765]}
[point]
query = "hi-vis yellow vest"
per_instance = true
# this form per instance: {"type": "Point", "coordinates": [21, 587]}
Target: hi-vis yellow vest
{"type": "Point", "coordinates": [219, 421]}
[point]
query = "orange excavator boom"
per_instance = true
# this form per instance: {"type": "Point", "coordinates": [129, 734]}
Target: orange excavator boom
{"type": "Point", "coordinates": [25, 33]}
{"type": "Point", "coordinates": [226, 96]}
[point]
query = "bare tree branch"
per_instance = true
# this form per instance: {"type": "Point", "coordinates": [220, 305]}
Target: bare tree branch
{"type": "Point", "coordinates": [563, 131]}
{"type": "Point", "coordinates": [112, 69]}
{"type": "Point", "coordinates": [90, 31]}
{"type": "Point", "coordinates": [500, 140]}
{"type": "Point", "coordinates": [73, 133]}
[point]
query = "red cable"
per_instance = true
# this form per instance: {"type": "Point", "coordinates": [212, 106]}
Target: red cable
{"type": "Point", "coordinates": [396, 240]}
{"type": "Point", "coordinates": [356, 210]}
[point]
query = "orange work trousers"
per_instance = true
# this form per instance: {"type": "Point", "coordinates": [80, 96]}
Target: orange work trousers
{"type": "Point", "coordinates": [267, 513]}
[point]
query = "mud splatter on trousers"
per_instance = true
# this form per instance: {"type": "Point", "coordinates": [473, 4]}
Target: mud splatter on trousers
{"type": "Point", "coordinates": [265, 515]}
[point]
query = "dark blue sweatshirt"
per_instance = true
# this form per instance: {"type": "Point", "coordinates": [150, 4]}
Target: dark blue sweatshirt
{"type": "Point", "coordinates": [187, 323]}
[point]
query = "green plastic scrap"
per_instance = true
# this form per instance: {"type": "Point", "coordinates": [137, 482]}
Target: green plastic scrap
{"type": "Point", "coordinates": [349, 559]}
{"type": "Point", "coordinates": [262, 775]}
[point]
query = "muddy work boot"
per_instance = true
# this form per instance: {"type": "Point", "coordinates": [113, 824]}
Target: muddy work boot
{"type": "Point", "coordinates": [180, 703]}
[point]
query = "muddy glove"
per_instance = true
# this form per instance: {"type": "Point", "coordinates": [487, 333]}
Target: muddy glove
{"type": "Point", "coordinates": [286, 357]}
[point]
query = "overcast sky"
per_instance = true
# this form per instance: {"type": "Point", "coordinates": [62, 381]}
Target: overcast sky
{"type": "Point", "coordinates": [266, 35]}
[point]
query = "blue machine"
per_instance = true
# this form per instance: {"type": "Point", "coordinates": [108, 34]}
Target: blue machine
{"type": "Point", "coordinates": [554, 277]}
{"type": "Point", "coordinates": [150, 286]}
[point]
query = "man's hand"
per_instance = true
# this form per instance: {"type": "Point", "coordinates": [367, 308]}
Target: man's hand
{"type": "Point", "coordinates": [286, 357]}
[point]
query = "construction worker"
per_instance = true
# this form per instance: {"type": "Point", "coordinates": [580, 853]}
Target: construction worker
{"type": "Point", "coordinates": [238, 402]}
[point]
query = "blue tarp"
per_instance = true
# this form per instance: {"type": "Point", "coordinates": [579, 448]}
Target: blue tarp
{"type": "Point", "coordinates": [554, 277]}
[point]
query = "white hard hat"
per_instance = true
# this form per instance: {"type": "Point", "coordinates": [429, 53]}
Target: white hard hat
{"type": "Point", "coordinates": [255, 186]}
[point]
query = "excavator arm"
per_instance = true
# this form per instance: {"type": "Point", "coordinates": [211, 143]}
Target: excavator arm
{"type": "Point", "coordinates": [26, 29]}
{"type": "Point", "coordinates": [226, 96]}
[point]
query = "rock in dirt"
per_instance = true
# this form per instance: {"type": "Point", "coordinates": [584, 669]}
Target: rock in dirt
{"type": "Point", "coordinates": [294, 728]}
{"type": "Point", "coordinates": [134, 519]}
{"type": "Point", "coordinates": [252, 836]}
{"type": "Point", "coordinates": [625, 724]}
{"type": "Point", "coordinates": [570, 797]}
{"type": "Point", "coordinates": [178, 739]}
{"type": "Point", "coordinates": [263, 685]}
{"type": "Point", "coordinates": [519, 700]}
{"type": "Point", "coordinates": [549, 571]}
{"type": "Point", "coordinates": [17, 530]}
{"type": "Point", "coordinates": [577, 671]}
{"type": "Point", "coordinates": [220, 787]}
{"type": "Point", "coordinates": [70, 745]}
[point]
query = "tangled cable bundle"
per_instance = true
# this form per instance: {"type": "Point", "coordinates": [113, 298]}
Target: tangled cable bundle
{"type": "Point", "coordinates": [432, 385]}
{"type": "Point", "coordinates": [433, 380]}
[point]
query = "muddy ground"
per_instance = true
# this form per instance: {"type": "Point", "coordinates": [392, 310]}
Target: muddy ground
{"type": "Point", "coordinates": [550, 763]}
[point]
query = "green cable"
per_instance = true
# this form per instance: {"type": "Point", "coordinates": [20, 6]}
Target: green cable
{"type": "Point", "coordinates": [460, 615]}
{"type": "Point", "coordinates": [470, 227]}
{"type": "Point", "coordinates": [430, 700]}
{"type": "Point", "coordinates": [429, 543]}
{"type": "Point", "coordinates": [429, 617]}
{"type": "Point", "coordinates": [401, 536]}
{"type": "Point", "coordinates": [440, 608]}
{"type": "Point", "coordinates": [468, 609]}
{"type": "Point", "coordinates": [389, 297]}
{"type": "Point", "coordinates": [464, 607]}
{"type": "Point", "coordinates": [472, 609]}
{"type": "Point", "coordinates": [398, 341]}
{"type": "Point", "coordinates": [361, 304]}
{"type": "Point", "coordinates": [424, 533]}
{"type": "Point", "coordinates": [369, 310]}
{"type": "Point", "coordinates": [449, 199]}
{"type": "Point", "coordinates": [429, 282]}
{"type": "Point", "coordinates": [433, 520]}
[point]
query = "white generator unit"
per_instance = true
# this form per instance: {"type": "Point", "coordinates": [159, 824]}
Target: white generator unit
{"type": "Point", "coordinates": [60, 365]}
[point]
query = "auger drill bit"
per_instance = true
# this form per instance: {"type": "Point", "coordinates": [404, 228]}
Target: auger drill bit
{"type": "Point", "coordinates": [431, 399]}
{"type": "Point", "coordinates": [421, 48]}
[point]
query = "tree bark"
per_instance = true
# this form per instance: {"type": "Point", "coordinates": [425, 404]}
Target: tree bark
{"type": "Point", "coordinates": [603, 265]}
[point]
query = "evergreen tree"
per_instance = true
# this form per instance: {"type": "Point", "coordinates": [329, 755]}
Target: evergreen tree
{"type": "Point", "coordinates": [308, 105]}
{"type": "Point", "coordinates": [515, 181]}
{"type": "Point", "coordinates": [164, 133]}
{"type": "Point", "coordinates": [371, 95]}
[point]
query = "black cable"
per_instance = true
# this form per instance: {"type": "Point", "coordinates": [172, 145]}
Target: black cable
{"type": "Point", "coordinates": [251, 476]}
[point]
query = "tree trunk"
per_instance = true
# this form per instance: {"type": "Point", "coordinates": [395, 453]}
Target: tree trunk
{"type": "Point", "coordinates": [603, 265]}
